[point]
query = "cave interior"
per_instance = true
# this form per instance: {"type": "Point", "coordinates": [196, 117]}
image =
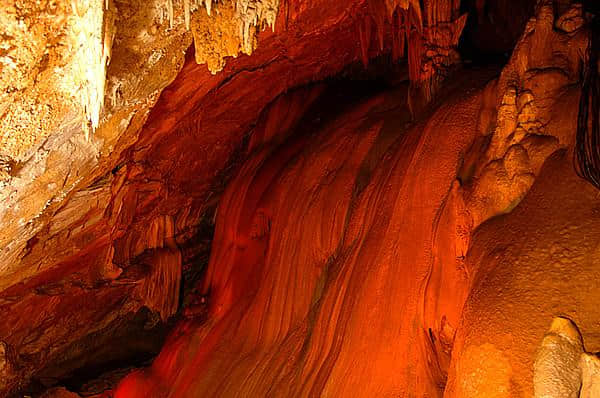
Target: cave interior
{"type": "Point", "coordinates": [299, 198]}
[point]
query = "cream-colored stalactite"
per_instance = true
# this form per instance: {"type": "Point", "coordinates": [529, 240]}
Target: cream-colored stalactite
{"type": "Point", "coordinates": [94, 35]}
{"type": "Point", "coordinates": [94, 32]}
{"type": "Point", "coordinates": [252, 14]}
{"type": "Point", "coordinates": [186, 13]}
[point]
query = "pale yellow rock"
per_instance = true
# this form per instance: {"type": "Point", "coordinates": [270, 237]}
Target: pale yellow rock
{"type": "Point", "coordinates": [556, 367]}
{"type": "Point", "coordinates": [590, 376]}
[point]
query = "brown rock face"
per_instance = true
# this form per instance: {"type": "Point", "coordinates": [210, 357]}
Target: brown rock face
{"type": "Point", "coordinates": [312, 287]}
{"type": "Point", "coordinates": [337, 270]}
{"type": "Point", "coordinates": [410, 227]}
{"type": "Point", "coordinates": [89, 260]}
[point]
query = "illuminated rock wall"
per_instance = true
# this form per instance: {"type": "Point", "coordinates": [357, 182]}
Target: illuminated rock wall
{"type": "Point", "coordinates": [345, 248]}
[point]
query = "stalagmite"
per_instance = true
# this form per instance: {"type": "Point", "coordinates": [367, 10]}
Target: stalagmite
{"type": "Point", "coordinates": [556, 368]}
{"type": "Point", "coordinates": [562, 368]}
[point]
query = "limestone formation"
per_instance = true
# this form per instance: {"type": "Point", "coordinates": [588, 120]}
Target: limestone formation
{"type": "Point", "coordinates": [59, 392]}
{"type": "Point", "coordinates": [74, 210]}
{"type": "Point", "coordinates": [590, 376]}
{"type": "Point", "coordinates": [556, 367]}
{"type": "Point", "coordinates": [562, 368]}
{"type": "Point", "coordinates": [6, 367]}
{"type": "Point", "coordinates": [527, 98]}
{"type": "Point", "coordinates": [295, 198]}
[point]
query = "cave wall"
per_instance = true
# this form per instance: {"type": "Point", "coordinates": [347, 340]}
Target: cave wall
{"type": "Point", "coordinates": [72, 254]}
{"type": "Point", "coordinates": [341, 265]}
{"type": "Point", "coordinates": [76, 261]}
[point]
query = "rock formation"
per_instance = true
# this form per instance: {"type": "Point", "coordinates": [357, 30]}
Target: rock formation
{"type": "Point", "coordinates": [311, 197]}
{"type": "Point", "coordinates": [556, 370]}
{"type": "Point", "coordinates": [562, 368]}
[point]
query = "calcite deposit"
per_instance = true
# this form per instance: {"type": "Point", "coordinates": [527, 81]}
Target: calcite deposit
{"type": "Point", "coordinates": [562, 368]}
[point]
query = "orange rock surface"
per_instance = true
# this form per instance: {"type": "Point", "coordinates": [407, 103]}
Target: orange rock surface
{"type": "Point", "coordinates": [341, 264]}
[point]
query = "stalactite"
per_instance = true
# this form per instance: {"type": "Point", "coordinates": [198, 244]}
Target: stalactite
{"type": "Point", "coordinates": [253, 14]}
{"type": "Point", "coordinates": [587, 152]}
{"type": "Point", "coordinates": [379, 12]}
{"type": "Point", "coordinates": [170, 12]}
{"type": "Point", "coordinates": [415, 49]}
{"type": "Point", "coordinates": [430, 29]}
{"type": "Point", "coordinates": [398, 37]}
{"type": "Point", "coordinates": [186, 11]}
{"type": "Point", "coordinates": [364, 34]}
{"type": "Point", "coordinates": [230, 31]}
{"type": "Point", "coordinates": [407, 17]}
{"type": "Point", "coordinates": [160, 289]}
{"type": "Point", "coordinates": [94, 28]}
